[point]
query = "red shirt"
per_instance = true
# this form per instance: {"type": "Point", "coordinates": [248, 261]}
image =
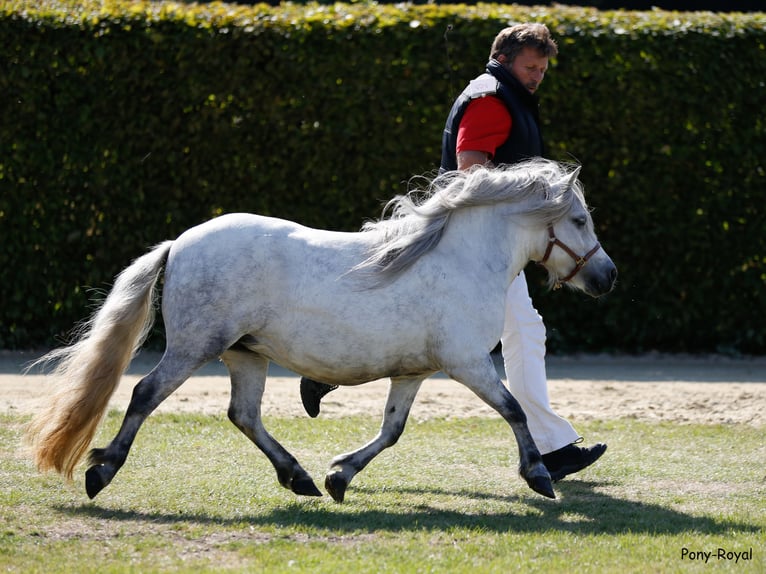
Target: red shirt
{"type": "Point", "coordinates": [484, 127]}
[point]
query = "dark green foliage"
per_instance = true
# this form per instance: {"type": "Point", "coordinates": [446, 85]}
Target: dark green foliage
{"type": "Point", "coordinates": [124, 126]}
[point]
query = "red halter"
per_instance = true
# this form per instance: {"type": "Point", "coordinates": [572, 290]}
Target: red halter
{"type": "Point", "coordinates": [579, 261]}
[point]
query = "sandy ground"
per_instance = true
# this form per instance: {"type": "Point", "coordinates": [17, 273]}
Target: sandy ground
{"type": "Point", "coordinates": [706, 390]}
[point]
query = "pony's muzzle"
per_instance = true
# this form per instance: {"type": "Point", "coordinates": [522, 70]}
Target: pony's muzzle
{"type": "Point", "coordinates": [600, 278]}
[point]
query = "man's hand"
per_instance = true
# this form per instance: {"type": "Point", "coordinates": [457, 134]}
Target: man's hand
{"type": "Point", "coordinates": [468, 159]}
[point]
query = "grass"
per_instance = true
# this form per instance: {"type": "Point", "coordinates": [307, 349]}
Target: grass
{"type": "Point", "coordinates": [195, 495]}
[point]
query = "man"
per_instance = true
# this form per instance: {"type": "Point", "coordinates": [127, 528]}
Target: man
{"type": "Point", "coordinates": [495, 121]}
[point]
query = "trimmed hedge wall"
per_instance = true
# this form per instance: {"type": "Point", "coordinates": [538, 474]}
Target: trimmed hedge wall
{"type": "Point", "coordinates": [123, 126]}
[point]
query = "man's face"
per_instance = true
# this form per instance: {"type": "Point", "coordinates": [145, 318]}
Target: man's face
{"type": "Point", "coordinates": [529, 68]}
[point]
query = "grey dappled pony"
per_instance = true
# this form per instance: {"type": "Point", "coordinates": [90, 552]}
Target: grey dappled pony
{"type": "Point", "coordinates": [420, 291]}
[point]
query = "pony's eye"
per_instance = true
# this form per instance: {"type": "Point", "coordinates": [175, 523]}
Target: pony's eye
{"type": "Point", "coordinates": [580, 221]}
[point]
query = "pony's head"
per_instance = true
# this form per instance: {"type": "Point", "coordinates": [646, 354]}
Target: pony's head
{"type": "Point", "coordinates": [541, 194]}
{"type": "Point", "coordinates": [568, 248]}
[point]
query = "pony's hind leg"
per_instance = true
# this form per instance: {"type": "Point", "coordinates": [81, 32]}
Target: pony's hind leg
{"type": "Point", "coordinates": [166, 377]}
{"type": "Point", "coordinates": [248, 380]}
{"type": "Point", "coordinates": [482, 379]}
{"type": "Point", "coordinates": [343, 468]}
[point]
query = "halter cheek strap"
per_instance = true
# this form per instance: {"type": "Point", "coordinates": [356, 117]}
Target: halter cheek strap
{"type": "Point", "coordinates": [580, 261]}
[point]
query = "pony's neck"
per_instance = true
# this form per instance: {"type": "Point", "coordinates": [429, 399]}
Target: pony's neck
{"type": "Point", "coordinates": [494, 238]}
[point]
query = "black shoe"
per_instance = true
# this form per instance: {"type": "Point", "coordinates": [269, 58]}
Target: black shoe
{"type": "Point", "coordinates": [312, 393]}
{"type": "Point", "coordinates": [571, 459]}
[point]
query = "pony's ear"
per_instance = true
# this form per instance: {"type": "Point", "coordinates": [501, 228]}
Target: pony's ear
{"type": "Point", "coordinates": [573, 177]}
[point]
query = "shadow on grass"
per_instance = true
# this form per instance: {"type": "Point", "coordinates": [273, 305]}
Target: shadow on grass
{"type": "Point", "coordinates": [583, 510]}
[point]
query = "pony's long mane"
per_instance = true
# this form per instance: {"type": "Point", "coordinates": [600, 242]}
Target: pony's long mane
{"type": "Point", "coordinates": [413, 224]}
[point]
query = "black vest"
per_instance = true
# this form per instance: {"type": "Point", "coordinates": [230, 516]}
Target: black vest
{"type": "Point", "coordinates": [525, 140]}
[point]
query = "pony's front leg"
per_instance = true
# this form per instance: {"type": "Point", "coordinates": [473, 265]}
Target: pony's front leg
{"type": "Point", "coordinates": [343, 468]}
{"type": "Point", "coordinates": [248, 379]}
{"type": "Point", "coordinates": [482, 379]}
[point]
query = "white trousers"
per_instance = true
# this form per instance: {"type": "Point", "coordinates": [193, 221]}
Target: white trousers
{"type": "Point", "coordinates": [523, 343]}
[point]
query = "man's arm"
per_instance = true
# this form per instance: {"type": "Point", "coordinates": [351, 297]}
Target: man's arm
{"type": "Point", "coordinates": [484, 127]}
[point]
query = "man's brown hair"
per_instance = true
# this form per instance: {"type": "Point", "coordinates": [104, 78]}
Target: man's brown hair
{"type": "Point", "coordinates": [510, 41]}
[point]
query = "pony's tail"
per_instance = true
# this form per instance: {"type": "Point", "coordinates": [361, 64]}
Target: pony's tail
{"type": "Point", "coordinates": [88, 371]}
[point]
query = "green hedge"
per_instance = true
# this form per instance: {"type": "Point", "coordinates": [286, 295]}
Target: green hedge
{"type": "Point", "coordinates": [123, 125]}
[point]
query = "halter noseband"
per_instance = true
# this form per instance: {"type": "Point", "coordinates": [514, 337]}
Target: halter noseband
{"type": "Point", "coordinates": [579, 261]}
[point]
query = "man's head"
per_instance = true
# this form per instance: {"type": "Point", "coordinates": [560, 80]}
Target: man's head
{"type": "Point", "coordinates": [524, 50]}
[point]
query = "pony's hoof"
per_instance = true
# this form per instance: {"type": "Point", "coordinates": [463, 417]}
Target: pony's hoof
{"type": "Point", "coordinates": [542, 485]}
{"type": "Point", "coordinates": [305, 487]}
{"type": "Point", "coordinates": [336, 485]}
{"type": "Point", "coordinates": [96, 479]}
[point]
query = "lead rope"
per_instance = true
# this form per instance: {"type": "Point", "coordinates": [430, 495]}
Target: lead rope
{"type": "Point", "coordinates": [447, 31]}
